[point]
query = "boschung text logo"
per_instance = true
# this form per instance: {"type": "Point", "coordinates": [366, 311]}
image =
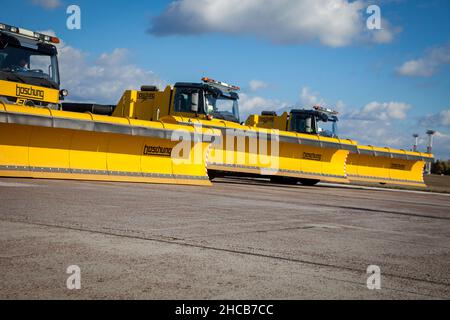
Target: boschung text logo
{"type": "Point", "coordinates": [312, 156]}
{"type": "Point", "coordinates": [157, 150]}
{"type": "Point", "coordinates": [29, 92]}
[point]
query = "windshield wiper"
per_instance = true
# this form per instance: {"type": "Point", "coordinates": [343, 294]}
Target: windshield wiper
{"type": "Point", "coordinates": [225, 116]}
{"type": "Point", "coordinates": [45, 80]}
{"type": "Point", "coordinates": [15, 77]}
{"type": "Point", "coordinates": [47, 83]}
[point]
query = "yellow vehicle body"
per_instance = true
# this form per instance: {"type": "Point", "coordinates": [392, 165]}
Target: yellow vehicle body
{"type": "Point", "coordinates": [365, 163]}
{"type": "Point", "coordinates": [45, 143]}
{"type": "Point", "coordinates": [246, 149]}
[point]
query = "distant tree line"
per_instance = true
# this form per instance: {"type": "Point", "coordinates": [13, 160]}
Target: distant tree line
{"type": "Point", "coordinates": [441, 167]}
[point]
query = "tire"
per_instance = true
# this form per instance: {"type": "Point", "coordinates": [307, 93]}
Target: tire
{"type": "Point", "coordinates": [284, 180]}
{"type": "Point", "coordinates": [211, 175]}
{"type": "Point", "coordinates": [309, 182]}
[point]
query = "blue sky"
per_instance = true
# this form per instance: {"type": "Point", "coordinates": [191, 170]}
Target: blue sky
{"type": "Point", "coordinates": [282, 54]}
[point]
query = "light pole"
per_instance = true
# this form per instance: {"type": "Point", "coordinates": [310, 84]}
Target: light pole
{"type": "Point", "coordinates": [416, 141]}
{"type": "Point", "coordinates": [430, 134]}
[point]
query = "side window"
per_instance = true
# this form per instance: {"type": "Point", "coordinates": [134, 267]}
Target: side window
{"type": "Point", "coordinates": [183, 100]}
{"type": "Point", "coordinates": [303, 124]}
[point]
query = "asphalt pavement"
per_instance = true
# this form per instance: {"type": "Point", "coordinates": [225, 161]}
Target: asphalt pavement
{"type": "Point", "coordinates": [239, 239]}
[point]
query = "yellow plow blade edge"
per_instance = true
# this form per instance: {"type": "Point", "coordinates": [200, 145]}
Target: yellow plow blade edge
{"type": "Point", "coordinates": [386, 165]}
{"type": "Point", "coordinates": [43, 143]}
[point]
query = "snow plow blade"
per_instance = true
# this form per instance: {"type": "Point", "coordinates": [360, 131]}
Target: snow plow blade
{"type": "Point", "coordinates": [44, 143]}
{"type": "Point", "coordinates": [387, 166]}
{"type": "Point", "coordinates": [258, 151]}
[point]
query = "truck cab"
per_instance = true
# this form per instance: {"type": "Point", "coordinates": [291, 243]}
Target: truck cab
{"type": "Point", "coordinates": [321, 121]}
{"type": "Point", "coordinates": [318, 121]}
{"type": "Point", "coordinates": [208, 100]}
{"type": "Point", "coordinates": [29, 73]}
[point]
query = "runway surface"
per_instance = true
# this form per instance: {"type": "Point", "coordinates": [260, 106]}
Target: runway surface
{"type": "Point", "coordinates": [240, 239]}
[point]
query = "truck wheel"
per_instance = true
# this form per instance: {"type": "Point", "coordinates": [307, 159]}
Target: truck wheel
{"type": "Point", "coordinates": [309, 182]}
{"type": "Point", "coordinates": [211, 175]}
{"type": "Point", "coordinates": [284, 180]}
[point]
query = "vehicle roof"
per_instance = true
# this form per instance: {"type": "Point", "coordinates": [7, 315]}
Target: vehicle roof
{"type": "Point", "coordinates": [24, 41]}
{"type": "Point", "coordinates": [233, 95]}
{"type": "Point", "coordinates": [325, 116]}
{"type": "Point", "coordinates": [189, 84]}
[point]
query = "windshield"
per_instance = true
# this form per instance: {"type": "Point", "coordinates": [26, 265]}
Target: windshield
{"type": "Point", "coordinates": [327, 129]}
{"type": "Point", "coordinates": [325, 126]}
{"type": "Point", "coordinates": [29, 63]}
{"type": "Point", "coordinates": [222, 107]}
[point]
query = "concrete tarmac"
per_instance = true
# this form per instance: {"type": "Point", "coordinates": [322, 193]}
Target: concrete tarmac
{"type": "Point", "coordinates": [240, 239]}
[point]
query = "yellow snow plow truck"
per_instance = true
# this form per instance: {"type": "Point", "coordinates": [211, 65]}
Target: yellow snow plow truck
{"type": "Point", "coordinates": [365, 162]}
{"type": "Point", "coordinates": [283, 156]}
{"type": "Point", "coordinates": [41, 137]}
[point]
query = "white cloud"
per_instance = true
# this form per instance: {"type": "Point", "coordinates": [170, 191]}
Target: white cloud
{"type": "Point", "coordinates": [440, 119]}
{"type": "Point", "coordinates": [441, 145]}
{"type": "Point", "coordinates": [48, 4]}
{"type": "Point", "coordinates": [249, 104]}
{"type": "Point", "coordinates": [340, 106]}
{"type": "Point", "coordinates": [103, 79]}
{"type": "Point", "coordinates": [384, 111]}
{"type": "Point", "coordinates": [256, 85]}
{"type": "Point", "coordinates": [418, 68]}
{"type": "Point", "coordinates": [444, 118]}
{"type": "Point", "coordinates": [373, 132]}
{"type": "Point", "coordinates": [385, 35]}
{"type": "Point", "coordinates": [309, 98]}
{"type": "Point", "coordinates": [333, 23]}
{"type": "Point", "coordinates": [427, 65]}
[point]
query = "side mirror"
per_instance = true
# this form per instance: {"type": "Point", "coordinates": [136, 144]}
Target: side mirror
{"type": "Point", "coordinates": [194, 99]}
